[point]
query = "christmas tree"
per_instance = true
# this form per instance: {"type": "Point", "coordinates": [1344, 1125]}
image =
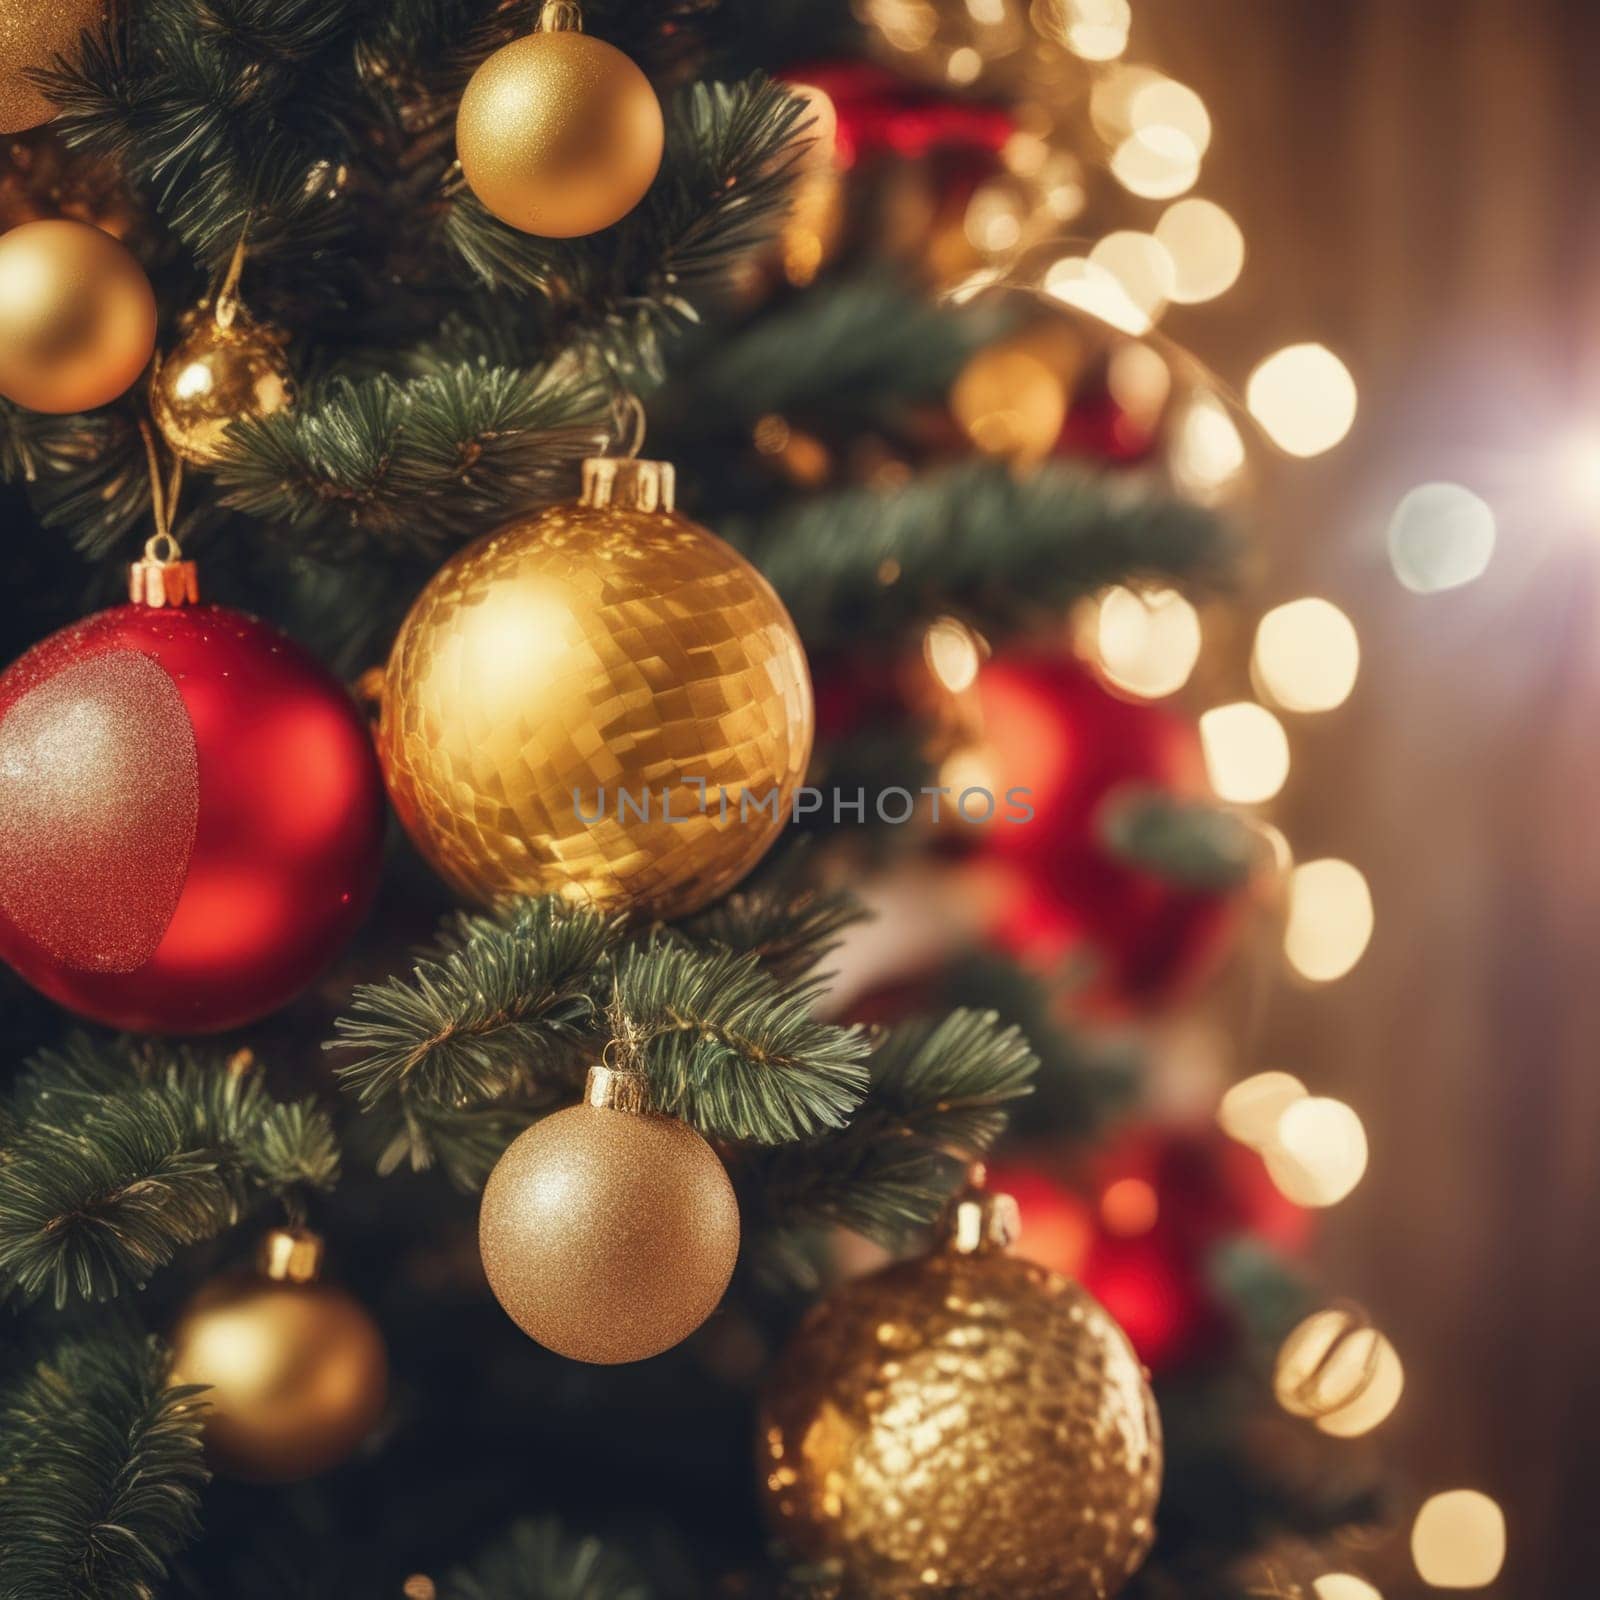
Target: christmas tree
{"type": "Point", "coordinates": [405, 296]}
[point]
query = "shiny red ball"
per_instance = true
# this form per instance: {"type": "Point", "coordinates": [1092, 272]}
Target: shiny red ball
{"type": "Point", "coordinates": [191, 818]}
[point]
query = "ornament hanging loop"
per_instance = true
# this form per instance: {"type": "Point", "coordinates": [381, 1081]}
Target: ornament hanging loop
{"type": "Point", "coordinates": [162, 577]}
{"type": "Point", "coordinates": [560, 16]}
{"type": "Point", "coordinates": [226, 309]}
{"type": "Point", "coordinates": [629, 422]}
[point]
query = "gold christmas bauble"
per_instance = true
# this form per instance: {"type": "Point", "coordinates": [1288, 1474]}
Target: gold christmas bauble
{"type": "Point", "coordinates": [603, 701]}
{"type": "Point", "coordinates": [214, 377]}
{"type": "Point", "coordinates": [77, 317]}
{"type": "Point", "coordinates": [297, 1371]}
{"type": "Point", "coordinates": [559, 134]}
{"type": "Point", "coordinates": [967, 1423]}
{"type": "Point", "coordinates": [32, 34]}
{"type": "Point", "coordinates": [609, 1233]}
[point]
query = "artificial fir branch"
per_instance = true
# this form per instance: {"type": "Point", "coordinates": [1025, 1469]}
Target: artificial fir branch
{"type": "Point", "coordinates": [1002, 549]}
{"type": "Point", "coordinates": [1190, 843]}
{"type": "Point", "coordinates": [539, 1560]}
{"type": "Point", "coordinates": [119, 1156]}
{"type": "Point", "coordinates": [100, 1471]}
{"type": "Point", "coordinates": [732, 1050]}
{"type": "Point", "coordinates": [83, 473]}
{"type": "Point", "coordinates": [413, 466]}
{"type": "Point", "coordinates": [935, 1101]}
{"type": "Point", "coordinates": [789, 934]}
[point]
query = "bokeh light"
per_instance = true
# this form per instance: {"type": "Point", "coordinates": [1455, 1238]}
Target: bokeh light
{"type": "Point", "coordinates": [1077, 281]}
{"type": "Point", "coordinates": [1304, 398]}
{"type": "Point", "coordinates": [1306, 655]}
{"type": "Point", "coordinates": [1459, 1540]}
{"type": "Point", "coordinates": [1318, 1153]}
{"type": "Point", "coordinates": [1250, 1110]}
{"type": "Point", "coordinates": [1129, 1207]}
{"type": "Point", "coordinates": [1011, 404]}
{"type": "Point", "coordinates": [1343, 1586]}
{"type": "Point", "coordinates": [1330, 919]}
{"type": "Point", "coordinates": [1141, 265]}
{"type": "Point", "coordinates": [1440, 537]}
{"type": "Point", "coordinates": [1163, 102]}
{"type": "Point", "coordinates": [1156, 163]}
{"type": "Point", "coordinates": [1246, 751]}
{"type": "Point", "coordinates": [1096, 30]}
{"type": "Point", "coordinates": [1146, 642]}
{"type": "Point", "coordinates": [1340, 1372]}
{"type": "Point", "coordinates": [952, 652]}
{"type": "Point", "coordinates": [1206, 248]}
{"type": "Point", "coordinates": [1207, 450]}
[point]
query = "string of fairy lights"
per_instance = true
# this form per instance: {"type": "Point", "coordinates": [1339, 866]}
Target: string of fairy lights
{"type": "Point", "coordinates": [1336, 1370]}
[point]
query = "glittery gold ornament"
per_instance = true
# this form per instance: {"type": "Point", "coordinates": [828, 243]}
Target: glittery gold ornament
{"type": "Point", "coordinates": [297, 1371]}
{"type": "Point", "coordinates": [77, 317]}
{"type": "Point", "coordinates": [220, 372]}
{"type": "Point", "coordinates": [559, 134]}
{"type": "Point", "coordinates": [609, 1233]}
{"type": "Point", "coordinates": [967, 1423]}
{"type": "Point", "coordinates": [32, 34]}
{"type": "Point", "coordinates": [603, 701]}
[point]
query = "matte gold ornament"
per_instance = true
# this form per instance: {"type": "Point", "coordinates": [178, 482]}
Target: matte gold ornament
{"type": "Point", "coordinates": [603, 701]}
{"type": "Point", "coordinates": [297, 1369]}
{"type": "Point", "coordinates": [77, 317]}
{"type": "Point", "coordinates": [32, 34]}
{"type": "Point", "coordinates": [609, 1233]}
{"type": "Point", "coordinates": [217, 374]}
{"type": "Point", "coordinates": [966, 1423]}
{"type": "Point", "coordinates": [559, 134]}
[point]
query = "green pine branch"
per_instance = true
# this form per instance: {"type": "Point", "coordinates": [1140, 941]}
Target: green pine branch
{"type": "Point", "coordinates": [1001, 549]}
{"type": "Point", "coordinates": [119, 1156]}
{"type": "Point", "coordinates": [1192, 843]}
{"type": "Point", "coordinates": [722, 189]}
{"type": "Point", "coordinates": [413, 466]}
{"type": "Point", "coordinates": [538, 1559]}
{"type": "Point", "coordinates": [936, 1100]}
{"type": "Point", "coordinates": [100, 1471]}
{"type": "Point", "coordinates": [789, 934]}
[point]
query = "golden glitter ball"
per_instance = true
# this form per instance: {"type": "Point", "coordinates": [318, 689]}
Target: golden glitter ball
{"type": "Point", "coordinates": [32, 34]}
{"type": "Point", "coordinates": [214, 377]}
{"type": "Point", "coordinates": [561, 690]}
{"type": "Point", "coordinates": [297, 1370]}
{"type": "Point", "coordinates": [967, 1423]}
{"type": "Point", "coordinates": [559, 134]}
{"type": "Point", "coordinates": [77, 317]}
{"type": "Point", "coordinates": [609, 1233]}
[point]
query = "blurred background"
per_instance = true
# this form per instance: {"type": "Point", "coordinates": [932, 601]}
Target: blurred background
{"type": "Point", "coordinates": [1418, 186]}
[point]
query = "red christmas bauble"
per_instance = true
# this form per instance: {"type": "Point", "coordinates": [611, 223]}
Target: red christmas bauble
{"type": "Point", "coordinates": [1051, 727]}
{"type": "Point", "coordinates": [191, 818]}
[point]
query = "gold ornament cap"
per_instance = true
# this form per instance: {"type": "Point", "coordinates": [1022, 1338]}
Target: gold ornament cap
{"type": "Point", "coordinates": [616, 1089]}
{"type": "Point", "coordinates": [290, 1255]}
{"type": "Point", "coordinates": [162, 577]}
{"type": "Point", "coordinates": [624, 483]}
{"type": "Point", "coordinates": [978, 1221]}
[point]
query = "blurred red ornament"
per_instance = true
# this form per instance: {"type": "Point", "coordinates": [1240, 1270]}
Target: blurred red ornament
{"type": "Point", "coordinates": [879, 114]}
{"type": "Point", "coordinates": [1162, 1300]}
{"type": "Point", "coordinates": [191, 818]}
{"type": "Point", "coordinates": [1051, 726]}
{"type": "Point", "coordinates": [1099, 427]}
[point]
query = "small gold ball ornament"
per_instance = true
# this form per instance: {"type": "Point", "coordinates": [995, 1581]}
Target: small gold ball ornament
{"type": "Point", "coordinates": [967, 1423]}
{"type": "Point", "coordinates": [559, 134]}
{"type": "Point", "coordinates": [32, 34]}
{"type": "Point", "coordinates": [217, 374]}
{"type": "Point", "coordinates": [609, 1233]}
{"type": "Point", "coordinates": [77, 317]}
{"type": "Point", "coordinates": [603, 701]}
{"type": "Point", "coordinates": [297, 1371]}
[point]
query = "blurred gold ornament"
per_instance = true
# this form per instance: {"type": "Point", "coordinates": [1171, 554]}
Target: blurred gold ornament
{"type": "Point", "coordinates": [32, 34]}
{"type": "Point", "coordinates": [609, 1233]}
{"type": "Point", "coordinates": [966, 1423]}
{"type": "Point", "coordinates": [297, 1369]}
{"type": "Point", "coordinates": [1011, 403]}
{"type": "Point", "coordinates": [602, 701]}
{"type": "Point", "coordinates": [77, 317]}
{"type": "Point", "coordinates": [41, 179]}
{"type": "Point", "coordinates": [218, 374]}
{"type": "Point", "coordinates": [559, 134]}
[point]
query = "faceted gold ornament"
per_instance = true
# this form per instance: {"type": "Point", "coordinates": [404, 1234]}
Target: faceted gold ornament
{"type": "Point", "coordinates": [215, 376]}
{"type": "Point", "coordinates": [967, 1423]}
{"type": "Point", "coordinates": [602, 701]}
{"type": "Point", "coordinates": [609, 1233]}
{"type": "Point", "coordinates": [559, 134]}
{"type": "Point", "coordinates": [297, 1371]}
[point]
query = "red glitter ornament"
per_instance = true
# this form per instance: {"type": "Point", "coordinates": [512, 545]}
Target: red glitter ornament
{"type": "Point", "coordinates": [191, 815]}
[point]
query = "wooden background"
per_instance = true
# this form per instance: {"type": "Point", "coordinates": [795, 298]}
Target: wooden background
{"type": "Point", "coordinates": [1417, 181]}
